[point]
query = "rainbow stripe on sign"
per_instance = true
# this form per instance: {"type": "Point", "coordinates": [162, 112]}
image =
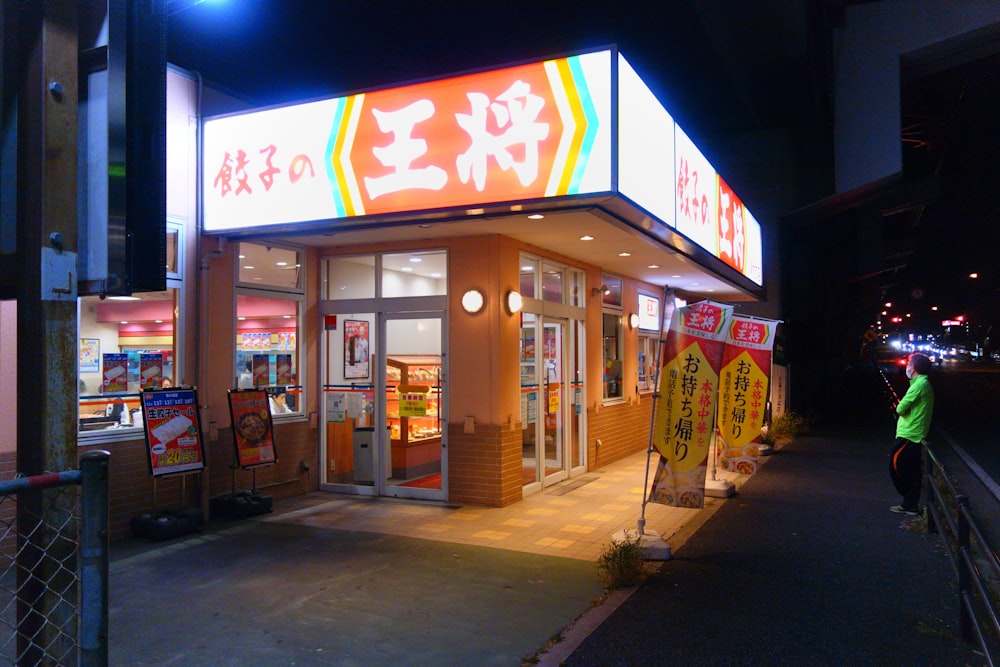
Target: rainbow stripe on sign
{"type": "Point", "coordinates": [580, 122]}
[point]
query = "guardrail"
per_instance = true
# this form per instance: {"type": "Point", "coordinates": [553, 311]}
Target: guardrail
{"type": "Point", "coordinates": [54, 566]}
{"type": "Point", "coordinates": [974, 561]}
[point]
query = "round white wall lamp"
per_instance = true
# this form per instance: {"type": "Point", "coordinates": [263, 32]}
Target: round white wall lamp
{"type": "Point", "coordinates": [514, 301]}
{"type": "Point", "coordinates": [633, 320]}
{"type": "Point", "coordinates": [473, 301]}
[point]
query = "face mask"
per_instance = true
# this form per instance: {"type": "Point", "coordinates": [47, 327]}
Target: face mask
{"type": "Point", "coordinates": [909, 373]}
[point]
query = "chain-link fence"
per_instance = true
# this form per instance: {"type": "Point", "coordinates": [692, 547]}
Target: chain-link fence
{"type": "Point", "coordinates": [54, 566]}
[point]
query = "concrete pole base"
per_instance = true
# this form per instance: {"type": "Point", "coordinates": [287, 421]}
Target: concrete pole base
{"type": "Point", "coordinates": [719, 488]}
{"type": "Point", "coordinates": [652, 545]}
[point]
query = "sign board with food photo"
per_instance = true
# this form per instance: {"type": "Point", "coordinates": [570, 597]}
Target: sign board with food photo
{"type": "Point", "coordinates": [253, 431]}
{"type": "Point", "coordinates": [173, 431]}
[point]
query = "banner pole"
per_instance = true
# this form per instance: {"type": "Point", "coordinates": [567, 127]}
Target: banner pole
{"type": "Point", "coordinates": [652, 417]}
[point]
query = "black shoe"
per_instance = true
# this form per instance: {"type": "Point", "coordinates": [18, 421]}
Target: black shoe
{"type": "Point", "coordinates": [899, 509]}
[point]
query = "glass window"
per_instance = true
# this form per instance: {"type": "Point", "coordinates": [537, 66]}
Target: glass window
{"type": "Point", "coordinates": [174, 249]}
{"type": "Point", "coordinates": [553, 282]}
{"type": "Point", "coordinates": [612, 332]}
{"type": "Point", "coordinates": [267, 352]}
{"type": "Point", "coordinates": [528, 272]}
{"type": "Point", "coordinates": [613, 291]}
{"type": "Point", "coordinates": [269, 266]}
{"type": "Point", "coordinates": [127, 344]}
{"type": "Point", "coordinates": [417, 273]}
{"type": "Point", "coordinates": [550, 281]}
{"type": "Point", "coordinates": [647, 362]}
{"type": "Point", "coordinates": [349, 278]}
{"type": "Point", "coordinates": [577, 288]}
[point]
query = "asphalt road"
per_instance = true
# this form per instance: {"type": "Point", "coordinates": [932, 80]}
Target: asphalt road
{"type": "Point", "coordinates": [805, 567]}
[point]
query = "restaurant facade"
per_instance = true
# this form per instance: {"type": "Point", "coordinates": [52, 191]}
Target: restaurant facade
{"type": "Point", "coordinates": [451, 290]}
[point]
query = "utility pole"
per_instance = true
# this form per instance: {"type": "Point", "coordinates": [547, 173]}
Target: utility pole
{"type": "Point", "coordinates": [47, 100]}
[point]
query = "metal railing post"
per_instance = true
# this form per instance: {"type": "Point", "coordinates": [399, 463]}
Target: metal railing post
{"type": "Point", "coordinates": [94, 556]}
{"type": "Point", "coordinates": [929, 496]}
{"type": "Point", "coordinates": [964, 576]}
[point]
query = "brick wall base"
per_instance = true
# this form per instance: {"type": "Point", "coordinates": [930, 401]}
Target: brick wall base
{"type": "Point", "coordinates": [484, 468]}
{"type": "Point", "coordinates": [623, 430]}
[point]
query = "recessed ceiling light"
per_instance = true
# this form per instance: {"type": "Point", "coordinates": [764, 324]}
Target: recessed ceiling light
{"type": "Point", "coordinates": [123, 298]}
{"type": "Point", "coordinates": [407, 269]}
{"type": "Point", "coordinates": [256, 277]}
{"type": "Point", "coordinates": [586, 237]}
{"type": "Point", "coordinates": [624, 254]}
{"type": "Point", "coordinates": [243, 256]}
{"type": "Point", "coordinates": [124, 322]}
{"type": "Point", "coordinates": [282, 263]}
{"type": "Point", "coordinates": [695, 284]}
{"type": "Point", "coordinates": [675, 276]}
{"type": "Point", "coordinates": [535, 216]}
{"type": "Point", "coordinates": [159, 321]}
{"type": "Point", "coordinates": [416, 260]}
{"type": "Point", "coordinates": [288, 317]}
{"type": "Point", "coordinates": [435, 275]}
{"type": "Point", "coordinates": [241, 318]}
{"type": "Point", "coordinates": [249, 267]}
{"type": "Point", "coordinates": [653, 266]}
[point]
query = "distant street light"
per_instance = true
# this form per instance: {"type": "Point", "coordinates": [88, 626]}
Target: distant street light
{"type": "Point", "coordinates": [973, 275]}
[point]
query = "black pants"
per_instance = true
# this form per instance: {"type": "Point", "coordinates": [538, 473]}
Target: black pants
{"type": "Point", "coordinates": [905, 466]}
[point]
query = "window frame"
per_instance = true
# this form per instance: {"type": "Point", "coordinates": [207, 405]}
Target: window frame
{"type": "Point", "coordinates": [611, 306]}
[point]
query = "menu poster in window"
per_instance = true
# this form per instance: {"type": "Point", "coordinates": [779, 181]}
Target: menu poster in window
{"type": "Point", "coordinates": [283, 374]}
{"type": "Point", "coordinates": [253, 432]}
{"type": "Point", "coordinates": [115, 368]}
{"type": "Point", "coordinates": [356, 349]}
{"type": "Point", "coordinates": [261, 370]}
{"type": "Point", "coordinates": [90, 355]}
{"type": "Point", "coordinates": [173, 431]}
{"type": "Point", "coordinates": [150, 371]}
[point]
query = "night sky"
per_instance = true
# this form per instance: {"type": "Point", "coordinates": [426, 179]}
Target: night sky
{"type": "Point", "coordinates": [279, 51]}
{"type": "Point", "coordinates": [276, 51]}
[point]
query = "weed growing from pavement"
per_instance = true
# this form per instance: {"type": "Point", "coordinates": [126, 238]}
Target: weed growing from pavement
{"type": "Point", "coordinates": [786, 428]}
{"type": "Point", "coordinates": [621, 563]}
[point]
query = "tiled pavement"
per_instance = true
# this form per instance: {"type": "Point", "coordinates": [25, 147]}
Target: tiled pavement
{"type": "Point", "coordinates": [574, 519]}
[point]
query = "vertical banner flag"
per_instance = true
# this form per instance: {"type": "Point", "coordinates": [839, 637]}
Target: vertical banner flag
{"type": "Point", "coordinates": [746, 366]}
{"type": "Point", "coordinates": [685, 410]}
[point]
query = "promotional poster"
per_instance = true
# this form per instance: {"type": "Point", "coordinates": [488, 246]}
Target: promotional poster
{"type": "Point", "coordinates": [684, 418]}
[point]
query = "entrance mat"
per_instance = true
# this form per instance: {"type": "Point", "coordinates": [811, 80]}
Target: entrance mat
{"type": "Point", "coordinates": [566, 487]}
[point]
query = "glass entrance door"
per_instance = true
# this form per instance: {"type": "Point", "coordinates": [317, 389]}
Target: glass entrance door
{"type": "Point", "coordinates": [555, 392]}
{"type": "Point", "coordinates": [414, 440]}
{"type": "Point", "coordinates": [544, 406]}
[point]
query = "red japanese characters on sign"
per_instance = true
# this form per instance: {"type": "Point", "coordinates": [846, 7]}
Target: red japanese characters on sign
{"type": "Point", "coordinates": [704, 316]}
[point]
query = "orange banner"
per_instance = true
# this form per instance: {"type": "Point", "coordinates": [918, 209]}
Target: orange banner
{"type": "Point", "coordinates": [746, 368]}
{"type": "Point", "coordinates": [684, 414]}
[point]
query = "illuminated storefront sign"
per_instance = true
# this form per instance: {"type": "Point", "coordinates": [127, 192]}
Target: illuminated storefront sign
{"type": "Point", "coordinates": [649, 313]}
{"type": "Point", "coordinates": [520, 133]}
{"type": "Point", "coordinates": [538, 130]}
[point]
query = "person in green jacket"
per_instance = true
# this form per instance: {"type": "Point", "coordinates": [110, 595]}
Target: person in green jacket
{"type": "Point", "coordinates": [914, 422]}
